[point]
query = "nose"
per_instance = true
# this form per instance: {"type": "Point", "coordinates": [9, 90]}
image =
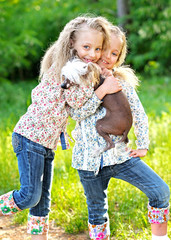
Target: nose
{"type": "Point", "coordinates": [92, 53]}
{"type": "Point", "coordinates": [106, 54]}
{"type": "Point", "coordinates": [64, 85]}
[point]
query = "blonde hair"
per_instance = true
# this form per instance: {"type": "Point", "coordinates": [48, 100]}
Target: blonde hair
{"type": "Point", "coordinates": [127, 74]}
{"type": "Point", "coordinates": [61, 50]}
{"type": "Point", "coordinates": [122, 71]}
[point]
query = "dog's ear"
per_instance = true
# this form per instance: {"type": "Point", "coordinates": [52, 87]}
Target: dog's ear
{"type": "Point", "coordinates": [63, 78]}
{"type": "Point", "coordinates": [85, 76]}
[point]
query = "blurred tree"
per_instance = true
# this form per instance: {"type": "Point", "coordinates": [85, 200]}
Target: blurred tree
{"type": "Point", "coordinates": [150, 36]}
{"type": "Point", "coordinates": [122, 11]}
{"type": "Point", "coordinates": [27, 28]}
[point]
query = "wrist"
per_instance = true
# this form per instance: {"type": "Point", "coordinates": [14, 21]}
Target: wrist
{"type": "Point", "coordinates": [100, 93]}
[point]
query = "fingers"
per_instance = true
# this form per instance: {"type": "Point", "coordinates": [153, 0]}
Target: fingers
{"type": "Point", "coordinates": [117, 84]}
{"type": "Point", "coordinates": [133, 154]}
{"type": "Point", "coordinates": [106, 72]}
{"type": "Point", "coordinates": [138, 153]}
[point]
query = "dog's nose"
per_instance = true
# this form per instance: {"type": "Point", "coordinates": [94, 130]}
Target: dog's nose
{"type": "Point", "coordinates": [64, 86]}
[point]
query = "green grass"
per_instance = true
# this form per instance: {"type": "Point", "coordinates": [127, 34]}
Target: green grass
{"type": "Point", "coordinates": [127, 205]}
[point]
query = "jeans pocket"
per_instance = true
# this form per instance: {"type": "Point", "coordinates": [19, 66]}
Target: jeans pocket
{"type": "Point", "coordinates": [16, 142]}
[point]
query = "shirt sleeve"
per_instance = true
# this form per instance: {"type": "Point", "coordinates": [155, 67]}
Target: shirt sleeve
{"type": "Point", "coordinates": [140, 119]}
{"type": "Point", "coordinates": [76, 96]}
{"type": "Point", "coordinates": [86, 110]}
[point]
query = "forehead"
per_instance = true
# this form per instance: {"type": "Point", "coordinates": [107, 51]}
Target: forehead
{"type": "Point", "coordinates": [115, 43]}
{"type": "Point", "coordinates": [88, 34]}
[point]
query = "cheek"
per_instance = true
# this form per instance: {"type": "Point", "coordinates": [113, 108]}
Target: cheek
{"type": "Point", "coordinates": [101, 64]}
{"type": "Point", "coordinates": [98, 55]}
{"type": "Point", "coordinates": [80, 52]}
{"type": "Point", "coordinates": [114, 60]}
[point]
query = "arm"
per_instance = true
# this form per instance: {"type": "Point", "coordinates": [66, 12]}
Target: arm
{"type": "Point", "coordinates": [86, 110]}
{"type": "Point", "coordinates": [140, 122]}
{"type": "Point", "coordinates": [76, 96]}
{"type": "Point", "coordinates": [110, 85]}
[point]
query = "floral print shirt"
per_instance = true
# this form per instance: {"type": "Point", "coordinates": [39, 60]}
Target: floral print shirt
{"type": "Point", "coordinates": [46, 117]}
{"type": "Point", "coordinates": [88, 141]}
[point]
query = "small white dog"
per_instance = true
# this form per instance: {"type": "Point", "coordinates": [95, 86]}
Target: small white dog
{"type": "Point", "coordinates": [76, 72]}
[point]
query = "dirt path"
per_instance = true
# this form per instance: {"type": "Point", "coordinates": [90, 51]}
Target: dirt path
{"type": "Point", "coordinates": [10, 231]}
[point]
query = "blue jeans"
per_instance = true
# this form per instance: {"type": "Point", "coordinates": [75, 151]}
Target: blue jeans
{"type": "Point", "coordinates": [35, 164]}
{"type": "Point", "coordinates": [133, 171]}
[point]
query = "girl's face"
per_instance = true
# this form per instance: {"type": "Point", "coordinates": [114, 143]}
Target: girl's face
{"type": "Point", "coordinates": [111, 54]}
{"type": "Point", "coordinates": [88, 44]}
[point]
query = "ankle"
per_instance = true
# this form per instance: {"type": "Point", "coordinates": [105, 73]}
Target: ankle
{"type": "Point", "coordinates": [39, 237]}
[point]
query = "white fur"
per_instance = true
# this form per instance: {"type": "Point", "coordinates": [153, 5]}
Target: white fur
{"type": "Point", "coordinates": [74, 69]}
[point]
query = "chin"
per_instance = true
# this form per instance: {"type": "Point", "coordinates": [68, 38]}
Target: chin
{"type": "Point", "coordinates": [101, 64]}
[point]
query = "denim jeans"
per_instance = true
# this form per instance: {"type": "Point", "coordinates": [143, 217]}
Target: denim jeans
{"type": "Point", "coordinates": [133, 171]}
{"type": "Point", "coordinates": [35, 164]}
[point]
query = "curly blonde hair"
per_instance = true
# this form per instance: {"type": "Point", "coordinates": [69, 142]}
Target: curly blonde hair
{"type": "Point", "coordinates": [61, 50]}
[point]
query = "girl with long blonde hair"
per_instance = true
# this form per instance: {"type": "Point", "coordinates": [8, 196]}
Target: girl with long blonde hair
{"type": "Point", "coordinates": [121, 162]}
{"type": "Point", "coordinates": [36, 134]}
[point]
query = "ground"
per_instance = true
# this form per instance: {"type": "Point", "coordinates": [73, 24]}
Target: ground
{"type": "Point", "coordinates": [11, 231]}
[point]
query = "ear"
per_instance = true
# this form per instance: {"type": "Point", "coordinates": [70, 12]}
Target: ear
{"type": "Point", "coordinates": [89, 67]}
{"type": "Point", "coordinates": [71, 43]}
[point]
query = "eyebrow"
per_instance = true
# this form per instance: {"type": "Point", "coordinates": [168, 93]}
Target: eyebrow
{"type": "Point", "coordinates": [88, 43]}
{"type": "Point", "coordinates": [116, 50]}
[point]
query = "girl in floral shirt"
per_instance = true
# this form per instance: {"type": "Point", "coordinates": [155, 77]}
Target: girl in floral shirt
{"type": "Point", "coordinates": [37, 133]}
{"type": "Point", "coordinates": [95, 171]}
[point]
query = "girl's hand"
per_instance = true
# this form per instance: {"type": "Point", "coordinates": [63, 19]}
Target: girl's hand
{"type": "Point", "coordinates": [110, 85]}
{"type": "Point", "coordinates": [138, 152]}
{"type": "Point", "coordinates": [106, 73]}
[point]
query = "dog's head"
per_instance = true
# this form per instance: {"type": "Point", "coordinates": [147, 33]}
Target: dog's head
{"type": "Point", "coordinates": [79, 73]}
{"type": "Point", "coordinates": [66, 83]}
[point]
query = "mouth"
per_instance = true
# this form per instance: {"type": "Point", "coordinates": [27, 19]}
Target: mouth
{"type": "Point", "coordinates": [103, 61]}
{"type": "Point", "coordinates": [88, 60]}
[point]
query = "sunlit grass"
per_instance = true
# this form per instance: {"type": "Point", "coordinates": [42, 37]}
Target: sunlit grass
{"type": "Point", "coordinates": [127, 205]}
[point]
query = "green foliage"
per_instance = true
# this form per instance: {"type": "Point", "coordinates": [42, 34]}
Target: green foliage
{"type": "Point", "coordinates": [150, 36]}
{"type": "Point", "coordinates": [127, 205]}
{"type": "Point", "coordinates": [14, 100]}
{"type": "Point", "coordinates": [20, 41]}
{"type": "Point", "coordinates": [159, 94]}
{"type": "Point", "coordinates": [27, 28]}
